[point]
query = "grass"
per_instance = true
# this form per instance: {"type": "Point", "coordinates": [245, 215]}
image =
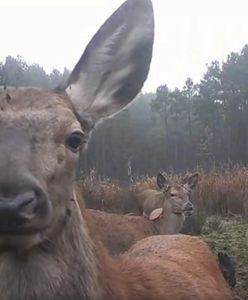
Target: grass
{"type": "Point", "coordinates": [231, 234]}
{"type": "Point", "coordinates": [219, 192]}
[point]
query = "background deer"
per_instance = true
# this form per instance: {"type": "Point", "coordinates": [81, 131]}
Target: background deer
{"type": "Point", "coordinates": [172, 202]}
{"type": "Point", "coordinates": [119, 232]}
{"type": "Point", "coordinates": [48, 250]}
{"type": "Point", "coordinates": [167, 214]}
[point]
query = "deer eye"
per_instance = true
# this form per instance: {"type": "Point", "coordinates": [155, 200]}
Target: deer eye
{"type": "Point", "coordinates": [75, 141]}
{"type": "Point", "coordinates": [172, 194]}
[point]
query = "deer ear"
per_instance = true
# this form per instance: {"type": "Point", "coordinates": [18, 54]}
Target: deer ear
{"type": "Point", "coordinates": [162, 181]}
{"type": "Point", "coordinates": [115, 64]}
{"type": "Point", "coordinates": [155, 214]}
{"type": "Point", "coordinates": [191, 180]}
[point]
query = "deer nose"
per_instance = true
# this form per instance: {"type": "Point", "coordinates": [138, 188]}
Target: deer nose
{"type": "Point", "coordinates": [16, 211]}
{"type": "Point", "coordinates": [188, 208]}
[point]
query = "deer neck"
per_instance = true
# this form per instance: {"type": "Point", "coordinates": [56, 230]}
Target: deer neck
{"type": "Point", "coordinates": [170, 223]}
{"type": "Point", "coordinates": [66, 269]}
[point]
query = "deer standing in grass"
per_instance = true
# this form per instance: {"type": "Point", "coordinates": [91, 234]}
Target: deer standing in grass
{"type": "Point", "coordinates": [48, 250]}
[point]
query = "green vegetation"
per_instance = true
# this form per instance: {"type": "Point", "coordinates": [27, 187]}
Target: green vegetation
{"type": "Point", "coordinates": [232, 234]}
{"type": "Point", "coordinates": [17, 72]}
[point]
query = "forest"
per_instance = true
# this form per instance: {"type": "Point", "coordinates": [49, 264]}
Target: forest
{"type": "Point", "coordinates": [201, 125]}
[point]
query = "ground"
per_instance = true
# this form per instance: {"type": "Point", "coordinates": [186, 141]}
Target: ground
{"type": "Point", "coordinates": [232, 234]}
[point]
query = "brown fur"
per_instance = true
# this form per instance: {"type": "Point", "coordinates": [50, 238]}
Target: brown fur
{"type": "Point", "coordinates": [190, 257]}
{"type": "Point", "coordinates": [119, 232]}
{"type": "Point", "coordinates": [148, 200]}
{"type": "Point", "coordinates": [66, 261]}
{"type": "Point", "coordinates": [48, 248]}
{"type": "Point", "coordinates": [172, 218]}
{"type": "Point", "coordinates": [174, 195]}
{"type": "Point", "coordinates": [163, 268]}
{"type": "Point", "coordinates": [173, 202]}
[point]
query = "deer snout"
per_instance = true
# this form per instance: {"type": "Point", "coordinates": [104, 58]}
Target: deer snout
{"type": "Point", "coordinates": [188, 209]}
{"type": "Point", "coordinates": [23, 212]}
{"type": "Point", "coordinates": [14, 212]}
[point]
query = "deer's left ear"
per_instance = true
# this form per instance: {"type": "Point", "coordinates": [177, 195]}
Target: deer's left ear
{"type": "Point", "coordinates": [115, 64]}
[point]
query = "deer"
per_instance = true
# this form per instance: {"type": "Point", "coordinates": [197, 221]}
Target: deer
{"type": "Point", "coordinates": [48, 250]}
{"type": "Point", "coordinates": [167, 214]}
{"type": "Point", "coordinates": [119, 232]}
{"type": "Point", "coordinates": [173, 201]}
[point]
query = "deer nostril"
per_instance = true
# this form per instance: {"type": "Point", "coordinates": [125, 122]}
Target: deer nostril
{"type": "Point", "coordinates": [21, 207]}
{"type": "Point", "coordinates": [15, 212]}
{"type": "Point", "coordinates": [26, 203]}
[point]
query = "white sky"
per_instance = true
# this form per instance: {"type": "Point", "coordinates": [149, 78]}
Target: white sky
{"type": "Point", "coordinates": [189, 33]}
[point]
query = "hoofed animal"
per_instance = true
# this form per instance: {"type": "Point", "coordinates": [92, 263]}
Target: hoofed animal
{"type": "Point", "coordinates": [168, 209]}
{"type": "Point", "coordinates": [48, 250]}
{"type": "Point", "coordinates": [119, 232]}
{"type": "Point", "coordinates": [173, 202]}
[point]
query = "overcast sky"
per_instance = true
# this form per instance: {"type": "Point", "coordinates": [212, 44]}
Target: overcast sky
{"type": "Point", "coordinates": [189, 33]}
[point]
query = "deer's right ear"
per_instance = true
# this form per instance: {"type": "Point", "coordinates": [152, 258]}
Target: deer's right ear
{"type": "Point", "coordinates": [155, 214]}
{"type": "Point", "coordinates": [191, 180]}
{"type": "Point", "coordinates": [115, 64]}
{"type": "Point", "coordinates": [162, 181]}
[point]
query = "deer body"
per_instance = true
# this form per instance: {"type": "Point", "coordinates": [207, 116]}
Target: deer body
{"type": "Point", "coordinates": [192, 259]}
{"type": "Point", "coordinates": [148, 200]}
{"type": "Point", "coordinates": [119, 232]}
{"type": "Point", "coordinates": [48, 249]}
